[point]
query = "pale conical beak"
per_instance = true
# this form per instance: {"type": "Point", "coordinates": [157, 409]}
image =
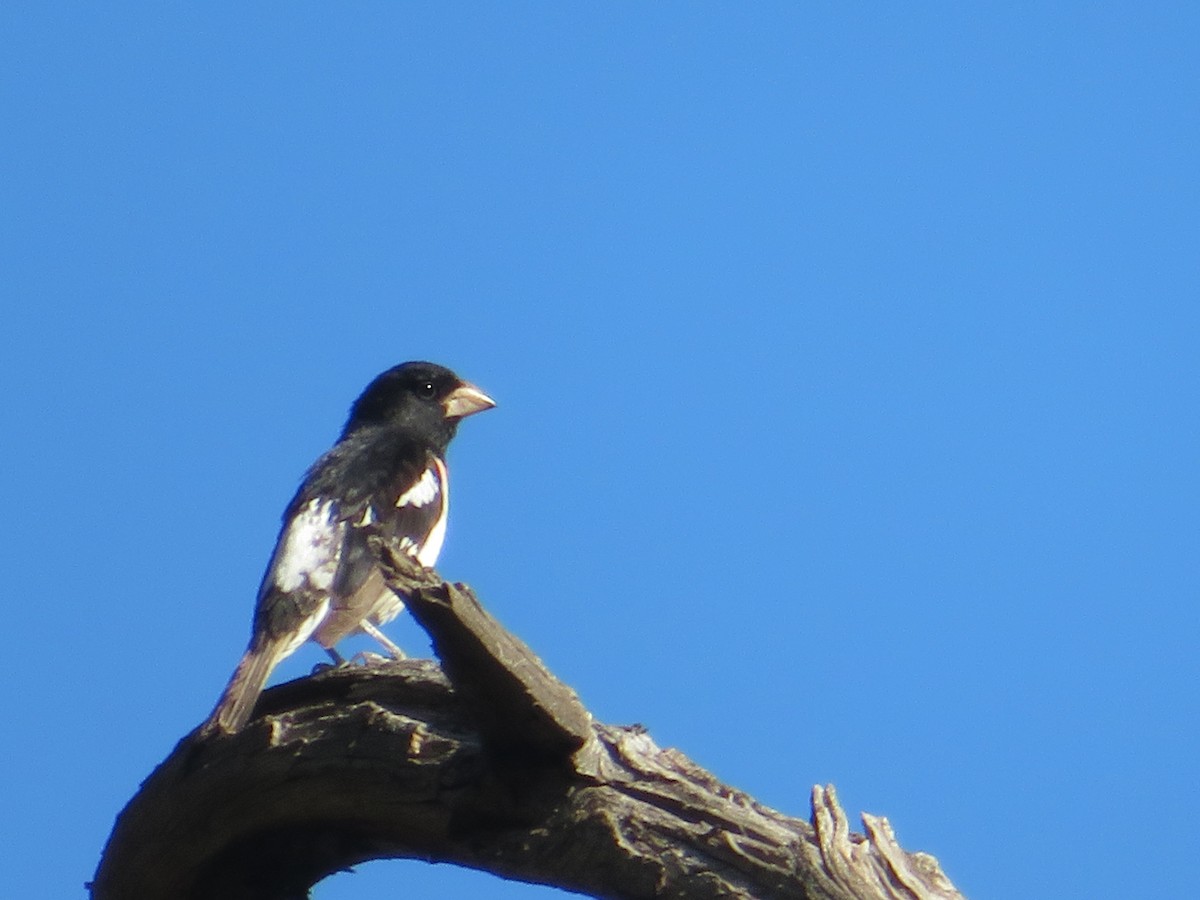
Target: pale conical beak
{"type": "Point", "coordinates": [465, 400]}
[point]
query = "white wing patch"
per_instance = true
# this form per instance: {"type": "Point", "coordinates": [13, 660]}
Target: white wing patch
{"type": "Point", "coordinates": [433, 487]}
{"type": "Point", "coordinates": [309, 551]}
{"type": "Point", "coordinates": [437, 536]}
{"type": "Point", "coordinates": [425, 491]}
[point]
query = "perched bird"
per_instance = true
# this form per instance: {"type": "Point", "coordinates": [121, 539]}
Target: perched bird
{"type": "Point", "coordinates": [388, 471]}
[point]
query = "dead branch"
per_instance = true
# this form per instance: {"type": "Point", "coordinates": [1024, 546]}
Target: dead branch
{"type": "Point", "coordinates": [487, 761]}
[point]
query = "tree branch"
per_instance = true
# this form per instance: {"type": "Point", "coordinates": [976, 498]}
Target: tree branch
{"type": "Point", "coordinates": [489, 762]}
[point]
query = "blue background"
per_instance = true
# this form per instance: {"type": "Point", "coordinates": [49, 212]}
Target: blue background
{"type": "Point", "coordinates": [847, 367]}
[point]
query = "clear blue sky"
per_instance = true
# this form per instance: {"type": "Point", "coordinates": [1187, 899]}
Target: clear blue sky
{"type": "Point", "coordinates": [847, 369]}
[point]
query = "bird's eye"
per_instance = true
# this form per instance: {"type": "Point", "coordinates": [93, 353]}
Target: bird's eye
{"type": "Point", "coordinates": [426, 390]}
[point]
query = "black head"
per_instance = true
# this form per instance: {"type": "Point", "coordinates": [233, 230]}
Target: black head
{"type": "Point", "coordinates": [421, 397]}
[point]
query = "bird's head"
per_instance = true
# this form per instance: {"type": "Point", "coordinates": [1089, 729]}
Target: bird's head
{"type": "Point", "coordinates": [420, 396]}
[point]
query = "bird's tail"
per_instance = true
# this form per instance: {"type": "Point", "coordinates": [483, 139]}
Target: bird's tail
{"type": "Point", "coordinates": [237, 703]}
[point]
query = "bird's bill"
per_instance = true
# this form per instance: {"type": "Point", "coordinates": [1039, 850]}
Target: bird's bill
{"type": "Point", "coordinates": [465, 400]}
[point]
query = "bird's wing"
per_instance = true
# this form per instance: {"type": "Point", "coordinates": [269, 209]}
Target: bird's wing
{"type": "Point", "coordinates": [416, 523]}
{"type": "Point", "coordinates": [294, 595]}
{"type": "Point", "coordinates": [413, 523]}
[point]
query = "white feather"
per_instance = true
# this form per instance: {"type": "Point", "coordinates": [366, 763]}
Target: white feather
{"type": "Point", "coordinates": [308, 552]}
{"type": "Point", "coordinates": [424, 492]}
{"type": "Point", "coordinates": [433, 544]}
{"type": "Point", "coordinates": [432, 487]}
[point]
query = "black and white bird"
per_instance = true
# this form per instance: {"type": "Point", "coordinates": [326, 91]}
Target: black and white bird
{"type": "Point", "coordinates": [388, 471]}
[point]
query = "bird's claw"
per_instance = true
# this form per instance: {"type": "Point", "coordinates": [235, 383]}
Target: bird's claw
{"type": "Point", "coordinates": [367, 658]}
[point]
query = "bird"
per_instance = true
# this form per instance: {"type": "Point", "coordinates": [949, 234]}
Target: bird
{"type": "Point", "coordinates": [385, 474]}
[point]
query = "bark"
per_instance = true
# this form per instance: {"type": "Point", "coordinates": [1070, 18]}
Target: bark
{"type": "Point", "coordinates": [485, 761]}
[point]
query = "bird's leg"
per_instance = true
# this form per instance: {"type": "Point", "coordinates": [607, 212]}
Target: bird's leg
{"type": "Point", "coordinates": [374, 632]}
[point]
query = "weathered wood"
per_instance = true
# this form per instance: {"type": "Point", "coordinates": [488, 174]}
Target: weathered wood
{"type": "Point", "coordinates": [519, 707]}
{"type": "Point", "coordinates": [492, 764]}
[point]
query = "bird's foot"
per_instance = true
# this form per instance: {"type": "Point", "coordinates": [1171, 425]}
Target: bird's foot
{"type": "Point", "coordinates": [367, 658]}
{"type": "Point", "coordinates": [339, 662]}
